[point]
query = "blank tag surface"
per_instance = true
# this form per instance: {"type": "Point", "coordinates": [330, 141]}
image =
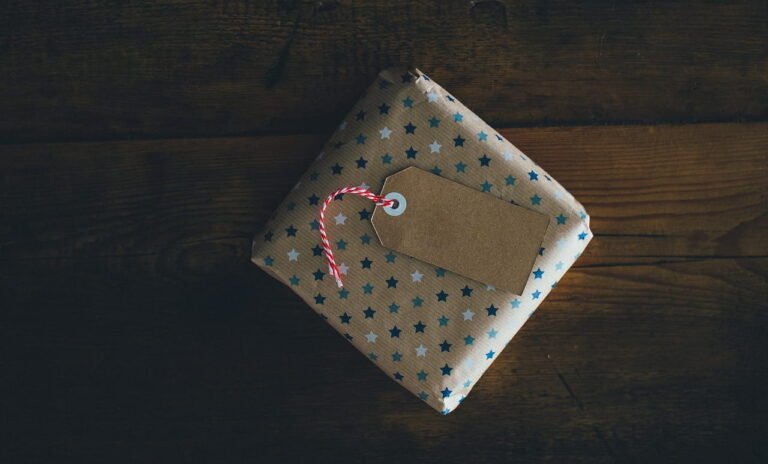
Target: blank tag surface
{"type": "Point", "coordinates": [460, 229]}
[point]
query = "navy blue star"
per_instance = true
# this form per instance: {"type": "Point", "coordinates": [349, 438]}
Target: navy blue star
{"type": "Point", "coordinates": [491, 310]}
{"type": "Point", "coordinates": [268, 236]}
{"type": "Point", "coordinates": [318, 274]}
{"type": "Point", "coordinates": [410, 128]}
{"type": "Point", "coordinates": [397, 376]}
{"type": "Point", "coordinates": [458, 141]}
{"type": "Point", "coordinates": [434, 122]}
{"type": "Point", "coordinates": [345, 318]}
{"type": "Point", "coordinates": [369, 312]}
{"type": "Point", "coordinates": [394, 332]}
{"type": "Point", "coordinates": [384, 109]}
{"type": "Point", "coordinates": [446, 370]}
{"type": "Point", "coordinates": [466, 291]}
{"type": "Point", "coordinates": [313, 199]}
{"type": "Point", "coordinates": [361, 163]}
{"type": "Point", "coordinates": [336, 169]}
{"type": "Point", "coordinates": [446, 392]}
{"type": "Point", "coordinates": [317, 250]}
{"type": "Point", "coordinates": [291, 231]}
{"type": "Point", "coordinates": [366, 263]}
{"type": "Point", "coordinates": [484, 160]}
{"type": "Point", "coordinates": [360, 115]}
{"type": "Point", "coordinates": [436, 171]}
{"type": "Point", "coordinates": [442, 296]}
{"type": "Point", "coordinates": [538, 273]}
{"type": "Point", "coordinates": [365, 239]}
{"type": "Point", "coordinates": [420, 326]}
{"type": "Point", "coordinates": [445, 346]}
{"type": "Point", "coordinates": [319, 299]}
{"type": "Point", "coordinates": [290, 206]}
{"type": "Point", "coordinates": [314, 176]}
{"type": "Point", "coordinates": [411, 153]}
{"type": "Point", "coordinates": [392, 282]}
{"type": "Point", "coordinates": [364, 214]}
{"type": "Point", "coordinates": [439, 272]}
{"type": "Point", "coordinates": [533, 175]}
{"type": "Point", "coordinates": [406, 78]}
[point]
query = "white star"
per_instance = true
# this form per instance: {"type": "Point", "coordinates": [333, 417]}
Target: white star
{"type": "Point", "coordinates": [490, 288]}
{"type": "Point", "coordinates": [365, 186]}
{"type": "Point", "coordinates": [416, 276]}
{"type": "Point", "coordinates": [432, 96]}
{"type": "Point", "coordinates": [421, 351]}
{"type": "Point", "coordinates": [385, 132]}
{"type": "Point", "coordinates": [507, 155]}
{"type": "Point", "coordinates": [293, 255]}
{"type": "Point", "coordinates": [371, 337]}
{"type": "Point", "coordinates": [468, 315]}
{"type": "Point", "coordinates": [340, 218]}
{"type": "Point", "coordinates": [343, 268]}
{"type": "Point", "coordinates": [434, 147]}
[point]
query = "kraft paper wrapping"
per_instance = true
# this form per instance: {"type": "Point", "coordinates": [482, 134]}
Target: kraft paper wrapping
{"type": "Point", "coordinates": [433, 331]}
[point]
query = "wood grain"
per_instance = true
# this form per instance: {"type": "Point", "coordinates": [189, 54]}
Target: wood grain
{"type": "Point", "coordinates": [85, 70]}
{"type": "Point", "coordinates": [135, 326]}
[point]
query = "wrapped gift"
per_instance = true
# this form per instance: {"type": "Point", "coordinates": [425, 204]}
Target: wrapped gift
{"type": "Point", "coordinates": [439, 237]}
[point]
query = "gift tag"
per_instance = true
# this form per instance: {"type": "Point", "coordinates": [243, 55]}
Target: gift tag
{"type": "Point", "coordinates": [460, 229]}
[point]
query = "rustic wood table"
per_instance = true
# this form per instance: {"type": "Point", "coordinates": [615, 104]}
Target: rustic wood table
{"type": "Point", "coordinates": [144, 144]}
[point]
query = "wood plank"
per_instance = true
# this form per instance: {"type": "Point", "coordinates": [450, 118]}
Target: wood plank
{"type": "Point", "coordinates": [654, 192]}
{"type": "Point", "coordinates": [89, 70]}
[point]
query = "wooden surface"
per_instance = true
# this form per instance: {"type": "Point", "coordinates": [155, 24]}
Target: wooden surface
{"type": "Point", "coordinates": [144, 144]}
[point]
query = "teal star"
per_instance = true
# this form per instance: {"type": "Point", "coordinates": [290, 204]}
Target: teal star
{"type": "Point", "coordinates": [417, 302]}
{"type": "Point", "coordinates": [458, 117]}
{"type": "Point", "coordinates": [343, 294]}
{"type": "Point", "coordinates": [486, 186]}
{"type": "Point", "coordinates": [407, 102]}
{"type": "Point", "coordinates": [341, 244]}
{"type": "Point", "coordinates": [535, 200]}
{"type": "Point", "coordinates": [269, 260]}
{"type": "Point", "coordinates": [422, 376]}
{"type": "Point", "coordinates": [434, 122]}
{"type": "Point", "coordinates": [510, 180]}
{"type": "Point", "coordinates": [460, 167]}
{"type": "Point", "coordinates": [386, 159]}
{"type": "Point", "coordinates": [443, 320]}
{"type": "Point", "coordinates": [489, 355]}
{"type": "Point", "coordinates": [561, 219]}
{"type": "Point", "coordinates": [482, 136]}
{"type": "Point", "coordinates": [368, 288]}
{"type": "Point", "coordinates": [390, 257]}
{"type": "Point", "coordinates": [469, 339]}
{"type": "Point", "coordinates": [397, 356]}
{"type": "Point", "coordinates": [515, 303]}
{"type": "Point", "coordinates": [394, 307]}
{"type": "Point", "coordinates": [294, 280]}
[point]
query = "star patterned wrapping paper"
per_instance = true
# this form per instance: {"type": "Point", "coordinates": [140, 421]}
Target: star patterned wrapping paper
{"type": "Point", "coordinates": [432, 331]}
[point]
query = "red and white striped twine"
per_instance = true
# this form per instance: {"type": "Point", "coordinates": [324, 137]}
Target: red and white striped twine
{"type": "Point", "coordinates": [360, 191]}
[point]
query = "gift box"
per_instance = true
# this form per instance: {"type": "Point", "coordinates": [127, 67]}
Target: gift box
{"type": "Point", "coordinates": [431, 328]}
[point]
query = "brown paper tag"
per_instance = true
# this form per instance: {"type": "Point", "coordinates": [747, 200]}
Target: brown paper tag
{"type": "Point", "coordinates": [460, 229]}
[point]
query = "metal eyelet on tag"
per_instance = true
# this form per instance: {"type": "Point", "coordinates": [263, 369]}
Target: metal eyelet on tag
{"type": "Point", "coordinates": [399, 207]}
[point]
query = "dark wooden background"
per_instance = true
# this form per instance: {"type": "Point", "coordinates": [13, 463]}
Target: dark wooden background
{"type": "Point", "coordinates": [143, 144]}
